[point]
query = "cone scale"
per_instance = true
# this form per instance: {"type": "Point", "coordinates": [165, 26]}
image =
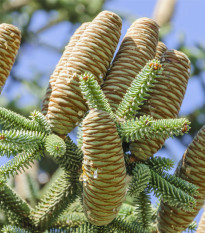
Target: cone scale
{"type": "Point", "coordinates": [161, 49]}
{"type": "Point", "coordinates": [201, 226]}
{"type": "Point", "coordinates": [165, 99]}
{"type": "Point", "coordinates": [104, 170]}
{"type": "Point", "coordinates": [10, 38]}
{"type": "Point", "coordinates": [192, 169]}
{"type": "Point", "coordinates": [62, 65]}
{"type": "Point", "coordinates": [137, 48]}
{"type": "Point", "coordinates": [93, 53]}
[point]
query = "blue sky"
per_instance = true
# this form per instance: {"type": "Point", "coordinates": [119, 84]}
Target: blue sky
{"type": "Point", "coordinates": [188, 21]}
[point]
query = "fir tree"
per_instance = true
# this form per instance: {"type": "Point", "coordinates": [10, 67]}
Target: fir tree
{"type": "Point", "coordinates": [89, 193]}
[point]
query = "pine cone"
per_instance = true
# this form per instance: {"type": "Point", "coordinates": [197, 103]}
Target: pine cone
{"type": "Point", "coordinates": [161, 49]}
{"type": "Point", "coordinates": [201, 226]}
{"type": "Point", "coordinates": [191, 169]}
{"type": "Point", "coordinates": [137, 48]}
{"type": "Point", "coordinates": [103, 168]}
{"type": "Point", "coordinates": [62, 65]}
{"type": "Point", "coordinates": [165, 99]}
{"type": "Point", "coordinates": [10, 38]}
{"type": "Point", "coordinates": [164, 11]}
{"type": "Point", "coordinates": [93, 53]}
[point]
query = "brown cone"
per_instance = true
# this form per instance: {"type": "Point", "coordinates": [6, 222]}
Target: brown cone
{"type": "Point", "coordinates": [10, 39]}
{"type": "Point", "coordinates": [61, 64]}
{"type": "Point", "coordinates": [161, 49]}
{"type": "Point", "coordinates": [104, 172]}
{"type": "Point", "coordinates": [201, 226]}
{"type": "Point", "coordinates": [192, 169]}
{"type": "Point", "coordinates": [137, 48]}
{"type": "Point", "coordinates": [93, 53]}
{"type": "Point", "coordinates": [165, 99]}
{"type": "Point", "coordinates": [164, 11]}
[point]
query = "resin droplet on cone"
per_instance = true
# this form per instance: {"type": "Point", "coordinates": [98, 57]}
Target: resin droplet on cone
{"type": "Point", "coordinates": [165, 98]}
{"type": "Point", "coordinates": [104, 172]}
{"type": "Point", "coordinates": [62, 65]}
{"type": "Point", "coordinates": [192, 169]}
{"type": "Point", "coordinates": [93, 52]}
{"type": "Point", "coordinates": [10, 38]}
{"type": "Point", "coordinates": [137, 48]}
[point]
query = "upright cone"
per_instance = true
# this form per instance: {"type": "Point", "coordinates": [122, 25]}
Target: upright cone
{"type": "Point", "coordinates": [10, 38]}
{"type": "Point", "coordinates": [104, 170]}
{"type": "Point", "coordinates": [164, 11]}
{"type": "Point", "coordinates": [192, 169]}
{"type": "Point", "coordinates": [62, 65]}
{"type": "Point", "coordinates": [161, 49]}
{"type": "Point", "coordinates": [201, 226]}
{"type": "Point", "coordinates": [137, 48]}
{"type": "Point", "coordinates": [165, 99]}
{"type": "Point", "coordinates": [93, 53]}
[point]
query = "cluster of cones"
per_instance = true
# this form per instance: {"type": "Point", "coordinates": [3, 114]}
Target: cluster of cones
{"type": "Point", "coordinates": [92, 48]}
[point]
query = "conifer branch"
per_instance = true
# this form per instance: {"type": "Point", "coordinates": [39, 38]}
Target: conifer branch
{"type": "Point", "coordinates": [15, 208]}
{"type": "Point", "coordinates": [10, 119]}
{"type": "Point", "coordinates": [134, 129]}
{"type": "Point", "coordinates": [75, 207]}
{"type": "Point", "coordinates": [147, 127]}
{"type": "Point", "coordinates": [143, 210]}
{"type": "Point", "coordinates": [93, 94]}
{"type": "Point", "coordinates": [154, 216]}
{"type": "Point", "coordinates": [170, 194]}
{"type": "Point", "coordinates": [117, 225]}
{"type": "Point", "coordinates": [19, 163]}
{"type": "Point", "coordinates": [14, 229]}
{"type": "Point", "coordinates": [51, 182]}
{"type": "Point", "coordinates": [55, 145]}
{"type": "Point", "coordinates": [84, 228]}
{"type": "Point", "coordinates": [155, 210]}
{"type": "Point", "coordinates": [29, 138]}
{"type": "Point", "coordinates": [160, 164]}
{"type": "Point", "coordinates": [72, 159]}
{"type": "Point", "coordinates": [123, 226]}
{"type": "Point", "coordinates": [139, 90]}
{"type": "Point", "coordinates": [62, 193]}
{"type": "Point", "coordinates": [140, 179]}
{"type": "Point", "coordinates": [74, 219]}
{"type": "Point", "coordinates": [130, 162]}
{"type": "Point", "coordinates": [192, 227]}
{"type": "Point", "coordinates": [33, 189]}
{"type": "Point", "coordinates": [184, 185]}
{"type": "Point", "coordinates": [40, 119]}
{"type": "Point", "coordinates": [17, 141]}
{"type": "Point", "coordinates": [126, 211]}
